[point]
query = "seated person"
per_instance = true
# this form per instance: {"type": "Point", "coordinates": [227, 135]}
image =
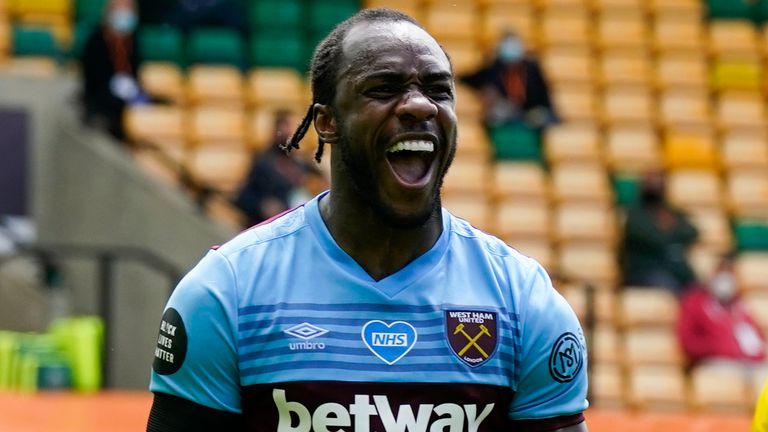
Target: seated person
{"type": "Point", "coordinates": [714, 325]}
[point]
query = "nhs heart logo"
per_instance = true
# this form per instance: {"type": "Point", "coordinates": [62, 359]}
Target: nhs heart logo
{"type": "Point", "coordinates": [390, 342]}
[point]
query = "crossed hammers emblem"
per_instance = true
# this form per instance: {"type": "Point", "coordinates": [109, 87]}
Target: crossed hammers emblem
{"type": "Point", "coordinates": [472, 340]}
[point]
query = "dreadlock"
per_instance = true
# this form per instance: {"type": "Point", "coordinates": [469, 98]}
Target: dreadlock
{"type": "Point", "coordinates": [325, 67]}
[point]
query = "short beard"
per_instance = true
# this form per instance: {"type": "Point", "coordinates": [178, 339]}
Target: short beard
{"type": "Point", "coordinates": [365, 186]}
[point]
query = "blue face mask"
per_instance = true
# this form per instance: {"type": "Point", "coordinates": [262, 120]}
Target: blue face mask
{"type": "Point", "coordinates": [511, 51]}
{"type": "Point", "coordinates": [123, 21]}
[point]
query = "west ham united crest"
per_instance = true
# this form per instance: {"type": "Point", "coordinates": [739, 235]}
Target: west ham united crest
{"type": "Point", "coordinates": [472, 335]}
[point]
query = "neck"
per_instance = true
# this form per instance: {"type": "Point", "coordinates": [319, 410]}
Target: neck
{"type": "Point", "coordinates": [378, 247]}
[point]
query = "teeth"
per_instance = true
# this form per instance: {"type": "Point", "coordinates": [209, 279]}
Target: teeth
{"type": "Point", "coordinates": [414, 145]}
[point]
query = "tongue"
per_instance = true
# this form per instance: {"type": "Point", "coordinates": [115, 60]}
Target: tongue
{"type": "Point", "coordinates": [409, 166]}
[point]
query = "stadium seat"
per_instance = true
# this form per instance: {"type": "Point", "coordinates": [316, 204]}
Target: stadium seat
{"type": "Point", "coordinates": [744, 149]}
{"type": "Point", "coordinates": [569, 65]}
{"type": "Point", "coordinates": [547, 5]}
{"type": "Point", "coordinates": [322, 16]}
{"type": "Point", "coordinates": [626, 67]}
{"type": "Point", "coordinates": [694, 188]}
{"type": "Point", "coordinates": [708, 392]}
{"type": "Point", "coordinates": [572, 142]}
{"type": "Point", "coordinates": [523, 218]}
{"type": "Point", "coordinates": [519, 180]}
{"type": "Point", "coordinates": [678, 71]}
{"type": "Point", "coordinates": [632, 148]}
{"type": "Point", "coordinates": [449, 22]}
{"type": "Point", "coordinates": [740, 109]}
{"type": "Point", "coordinates": [539, 249]}
{"type": "Point", "coordinates": [737, 74]}
{"type": "Point", "coordinates": [472, 208]}
{"type": "Point", "coordinates": [704, 260]}
{"type": "Point", "coordinates": [283, 48]}
{"type": "Point", "coordinates": [752, 271]}
{"type": "Point", "coordinates": [678, 32]}
{"type": "Point", "coordinates": [472, 139]}
{"type": "Point", "coordinates": [644, 306]}
{"type": "Point", "coordinates": [514, 141]}
{"type": "Point", "coordinates": [496, 18]}
{"type": "Point", "coordinates": [216, 46]}
{"type": "Point", "coordinates": [215, 85]}
{"type": "Point", "coordinates": [576, 102]}
{"type": "Point", "coordinates": [593, 263]}
{"type": "Point", "coordinates": [161, 43]}
{"type": "Point", "coordinates": [721, 9]}
{"type": "Point", "coordinates": [221, 167]}
{"type": "Point", "coordinates": [468, 175]}
{"type": "Point", "coordinates": [685, 107]}
{"type": "Point", "coordinates": [277, 88]}
{"type": "Point", "coordinates": [626, 189]}
{"type": "Point", "coordinates": [604, 303]}
{"type": "Point", "coordinates": [733, 37]}
{"type": "Point", "coordinates": [565, 26]}
{"type": "Point", "coordinates": [638, 7]}
{"type": "Point", "coordinates": [260, 126]}
{"type": "Point", "coordinates": [652, 346]}
{"type": "Point", "coordinates": [5, 37]}
{"type": "Point", "coordinates": [35, 42]}
{"type": "Point", "coordinates": [217, 125]}
{"type": "Point", "coordinates": [89, 10]}
{"type": "Point", "coordinates": [44, 7]}
{"type": "Point", "coordinates": [468, 103]}
{"type": "Point", "coordinates": [624, 30]}
{"type": "Point", "coordinates": [163, 80]}
{"type": "Point", "coordinates": [756, 302]}
{"type": "Point", "coordinates": [658, 388]}
{"type": "Point", "coordinates": [607, 386]}
{"type": "Point", "coordinates": [580, 182]}
{"type": "Point", "coordinates": [628, 104]}
{"type": "Point", "coordinates": [690, 148]}
{"type": "Point", "coordinates": [466, 55]}
{"type": "Point", "coordinates": [161, 126]}
{"type": "Point", "coordinates": [751, 234]}
{"type": "Point", "coordinates": [606, 345]}
{"type": "Point", "coordinates": [582, 222]}
{"type": "Point", "coordinates": [160, 165]}
{"type": "Point", "coordinates": [748, 193]}
{"type": "Point", "coordinates": [714, 229]}
{"type": "Point", "coordinates": [271, 15]}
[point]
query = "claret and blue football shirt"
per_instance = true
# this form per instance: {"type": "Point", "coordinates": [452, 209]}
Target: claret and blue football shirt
{"type": "Point", "coordinates": [281, 325]}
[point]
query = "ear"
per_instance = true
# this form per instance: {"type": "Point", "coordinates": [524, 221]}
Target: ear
{"type": "Point", "coordinates": [325, 123]}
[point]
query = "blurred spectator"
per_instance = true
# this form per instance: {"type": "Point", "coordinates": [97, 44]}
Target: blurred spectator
{"type": "Point", "coordinates": [714, 325]}
{"type": "Point", "coordinates": [656, 240]}
{"type": "Point", "coordinates": [513, 88]}
{"type": "Point", "coordinates": [189, 14]}
{"type": "Point", "coordinates": [274, 179]}
{"type": "Point", "coordinates": [109, 64]}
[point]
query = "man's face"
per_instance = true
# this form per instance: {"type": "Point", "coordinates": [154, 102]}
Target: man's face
{"type": "Point", "coordinates": [396, 122]}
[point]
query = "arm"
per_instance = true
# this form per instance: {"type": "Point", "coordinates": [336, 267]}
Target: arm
{"type": "Point", "coordinates": [172, 413]}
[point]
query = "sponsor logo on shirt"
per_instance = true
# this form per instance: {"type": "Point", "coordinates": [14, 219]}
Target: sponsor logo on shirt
{"type": "Point", "coordinates": [368, 410]}
{"type": "Point", "coordinates": [306, 331]}
{"type": "Point", "coordinates": [389, 342]}
{"type": "Point", "coordinates": [472, 335]}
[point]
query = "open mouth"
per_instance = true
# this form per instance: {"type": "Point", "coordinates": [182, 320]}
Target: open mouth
{"type": "Point", "coordinates": [411, 160]}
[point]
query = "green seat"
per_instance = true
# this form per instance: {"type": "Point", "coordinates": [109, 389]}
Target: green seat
{"type": "Point", "coordinates": [34, 41]}
{"type": "Point", "coordinates": [516, 141]}
{"type": "Point", "coordinates": [324, 15]}
{"type": "Point", "coordinates": [161, 43]}
{"type": "Point", "coordinates": [278, 49]}
{"type": "Point", "coordinates": [751, 235]}
{"type": "Point", "coordinates": [40, 364]}
{"type": "Point", "coordinates": [216, 46]}
{"type": "Point", "coordinates": [284, 15]}
{"type": "Point", "coordinates": [81, 340]}
{"type": "Point", "coordinates": [731, 9]}
{"type": "Point", "coordinates": [90, 11]}
{"type": "Point", "coordinates": [9, 345]}
{"type": "Point", "coordinates": [626, 189]}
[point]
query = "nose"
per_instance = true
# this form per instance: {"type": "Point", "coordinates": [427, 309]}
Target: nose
{"type": "Point", "coordinates": [415, 106]}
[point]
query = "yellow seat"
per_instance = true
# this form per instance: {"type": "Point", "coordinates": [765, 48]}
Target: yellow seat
{"type": "Point", "coordinates": [466, 55]}
{"type": "Point", "coordinates": [607, 386]}
{"type": "Point", "coordinates": [276, 88]}
{"type": "Point", "coordinates": [473, 140]}
{"type": "Point", "coordinates": [606, 345]}
{"type": "Point", "coordinates": [676, 32]}
{"type": "Point", "coordinates": [522, 218]}
{"type": "Point", "coordinates": [748, 193]}
{"type": "Point", "coordinates": [678, 71]}
{"type": "Point", "coordinates": [31, 66]}
{"type": "Point", "coordinates": [714, 229]}
{"type": "Point", "coordinates": [219, 84]}
{"type": "Point", "coordinates": [548, 5]}
{"type": "Point", "coordinates": [260, 127]}
{"type": "Point", "coordinates": [737, 109]}
{"type": "Point", "coordinates": [737, 74]}
{"type": "Point", "coordinates": [516, 180]}
{"type": "Point", "coordinates": [690, 149]}
{"type": "Point", "coordinates": [604, 303]}
{"type": "Point", "coordinates": [593, 263]}
{"type": "Point", "coordinates": [694, 188]}
{"type": "Point", "coordinates": [677, 8]}
{"type": "Point", "coordinates": [539, 249]}
{"type": "Point", "coordinates": [652, 346]}
{"type": "Point", "coordinates": [745, 149]}
{"type": "Point", "coordinates": [733, 37]}
{"type": "Point", "coordinates": [569, 65]}
{"type": "Point", "coordinates": [565, 26]}
{"type": "Point", "coordinates": [643, 307]}
{"type": "Point", "coordinates": [632, 148]}
{"type": "Point", "coordinates": [625, 67]}
{"type": "Point", "coordinates": [628, 104]}
{"type": "Point", "coordinates": [5, 36]}
{"type": "Point", "coordinates": [470, 207]}
{"type": "Point", "coordinates": [158, 166]}
{"type": "Point", "coordinates": [468, 104]}
{"type": "Point", "coordinates": [582, 222]}
{"type": "Point", "coordinates": [163, 80]}
{"type": "Point", "coordinates": [625, 30]}
{"type": "Point", "coordinates": [752, 271]}
{"type": "Point", "coordinates": [658, 388]}
{"type": "Point", "coordinates": [217, 124]}
{"type": "Point", "coordinates": [638, 7]}
{"type": "Point", "coordinates": [468, 175]}
{"type": "Point", "coordinates": [709, 392]}
{"type": "Point", "coordinates": [576, 102]}
{"type": "Point", "coordinates": [573, 142]}
{"type": "Point", "coordinates": [160, 126]}
{"type": "Point", "coordinates": [580, 182]}
{"type": "Point", "coordinates": [221, 167]}
{"type": "Point", "coordinates": [452, 21]}
{"type": "Point", "coordinates": [685, 107]}
{"type": "Point", "coordinates": [496, 18]}
{"type": "Point", "coordinates": [51, 7]}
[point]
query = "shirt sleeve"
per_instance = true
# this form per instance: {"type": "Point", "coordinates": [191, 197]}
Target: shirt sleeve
{"type": "Point", "coordinates": [196, 353]}
{"type": "Point", "coordinates": [552, 379]}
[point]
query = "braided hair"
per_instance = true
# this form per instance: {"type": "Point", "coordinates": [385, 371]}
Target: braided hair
{"type": "Point", "coordinates": [325, 68]}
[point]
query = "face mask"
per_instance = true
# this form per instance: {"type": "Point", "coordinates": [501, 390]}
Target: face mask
{"type": "Point", "coordinates": [723, 286]}
{"type": "Point", "coordinates": [123, 21]}
{"type": "Point", "coordinates": [511, 51]}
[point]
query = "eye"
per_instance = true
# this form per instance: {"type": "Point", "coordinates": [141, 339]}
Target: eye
{"type": "Point", "coordinates": [439, 91]}
{"type": "Point", "coordinates": [382, 91]}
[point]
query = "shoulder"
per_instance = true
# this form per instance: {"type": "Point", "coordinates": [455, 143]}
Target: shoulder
{"type": "Point", "coordinates": [279, 229]}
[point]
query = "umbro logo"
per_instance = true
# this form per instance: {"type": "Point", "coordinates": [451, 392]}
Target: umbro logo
{"type": "Point", "coordinates": [306, 331]}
